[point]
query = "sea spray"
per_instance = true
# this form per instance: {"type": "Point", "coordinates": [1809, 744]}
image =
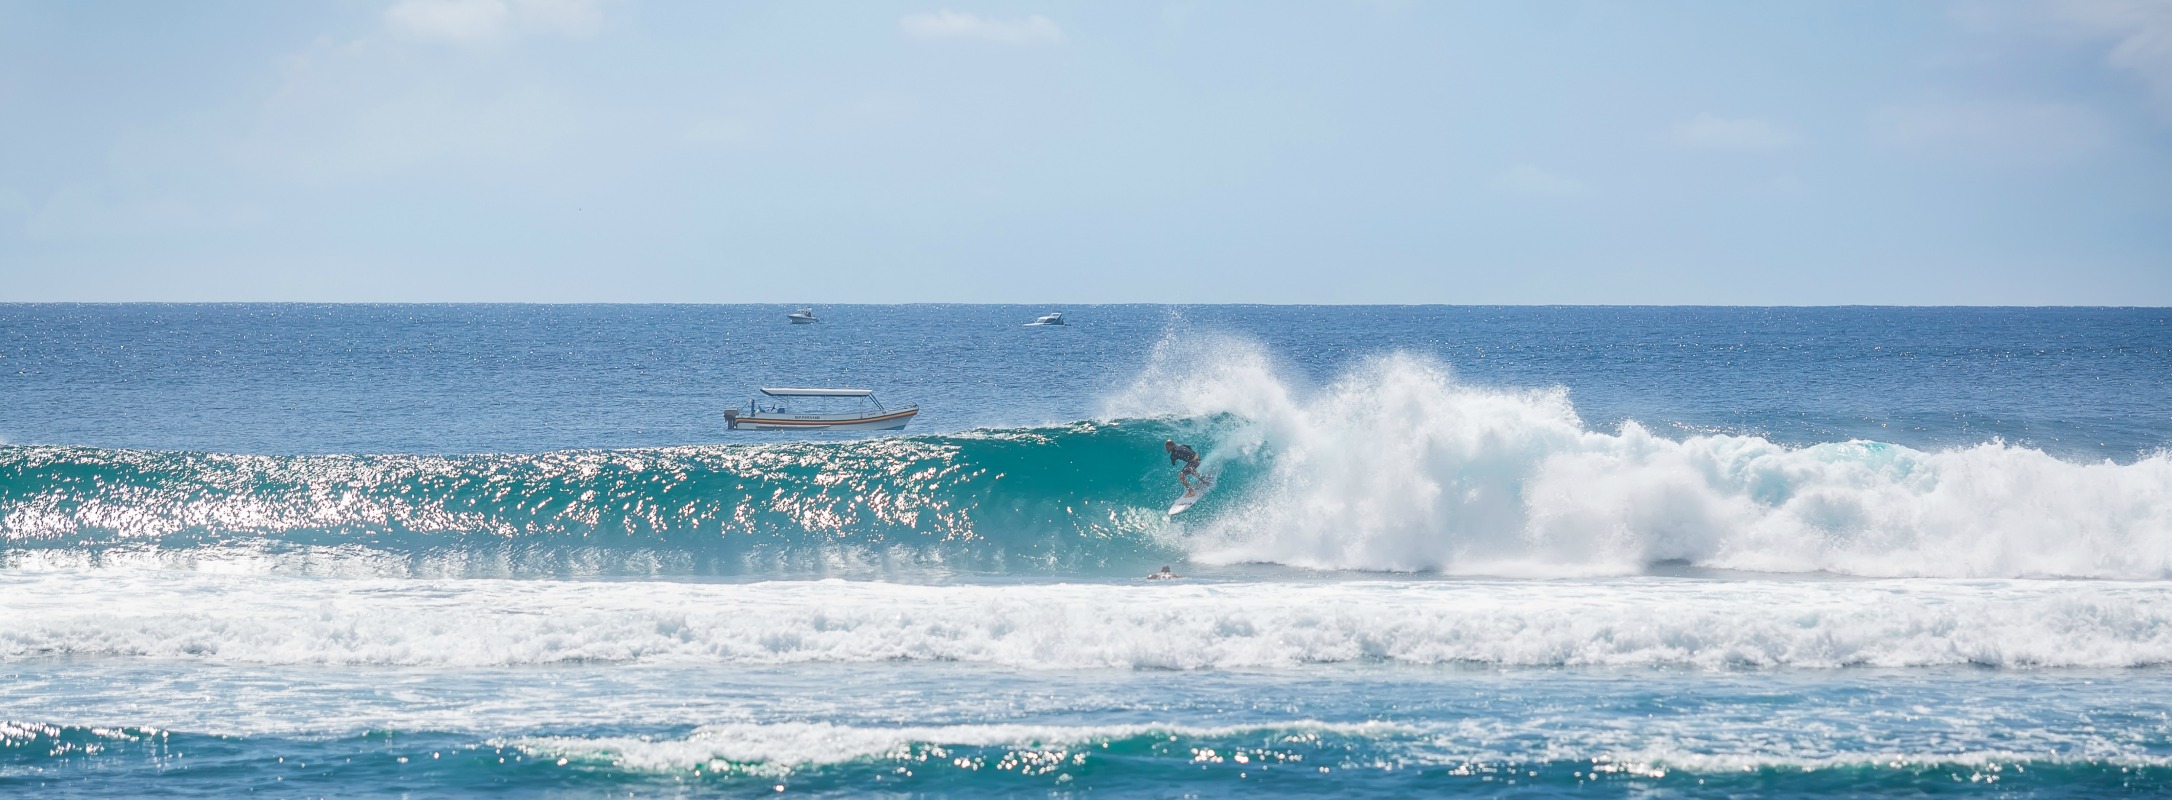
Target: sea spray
{"type": "Point", "coordinates": [1397, 466]}
{"type": "Point", "coordinates": [1393, 466]}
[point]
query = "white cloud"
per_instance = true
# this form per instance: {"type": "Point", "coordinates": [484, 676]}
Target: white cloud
{"type": "Point", "coordinates": [1525, 179]}
{"type": "Point", "coordinates": [1711, 132]}
{"type": "Point", "coordinates": [562, 17]}
{"type": "Point", "coordinates": [457, 21]}
{"type": "Point", "coordinates": [2140, 32]}
{"type": "Point", "coordinates": [2024, 131]}
{"type": "Point", "coordinates": [948, 24]}
{"type": "Point", "coordinates": [485, 21]}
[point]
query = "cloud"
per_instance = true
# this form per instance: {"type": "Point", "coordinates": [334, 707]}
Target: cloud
{"type": "Point", "coordinates": [457, 21]}
{"type": "Point", "coordinates": [1531, 181]}
{"type": "Point", "coordinates": [562, 17]}
{"type": "Point", "coordinates": [2022, 131]}
{"type": "Point", "coordinates": [2140, 32]}
{"type": "Point", "coordinates": [470, 22]}
{"type": "Point", "coordinates": [948, 24]}
{"type": "Point", "coordinates": [1711, 132]}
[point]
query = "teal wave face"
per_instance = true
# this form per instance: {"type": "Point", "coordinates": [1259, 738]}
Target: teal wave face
{"type": "Point", "coordinates": [68, 761]}
{"type": "Point", "coordinates": [1079, 496]}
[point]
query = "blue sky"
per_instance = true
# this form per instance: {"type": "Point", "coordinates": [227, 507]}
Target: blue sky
{"type": "Point", "coordinates": [1531, 152]}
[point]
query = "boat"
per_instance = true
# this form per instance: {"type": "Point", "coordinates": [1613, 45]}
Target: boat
{"type": "Point", "coordinates": [782, 412]}
{"type": "Point", "coordinates": [1047, 319]}
{"type": "Point", "coordinates": [802, 316]}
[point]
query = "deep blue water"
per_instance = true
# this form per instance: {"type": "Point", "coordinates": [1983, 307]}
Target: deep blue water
{"type": "Point", "coordinates": [522, 378]}
{"type": "Point", "coordinates": [456, 550]}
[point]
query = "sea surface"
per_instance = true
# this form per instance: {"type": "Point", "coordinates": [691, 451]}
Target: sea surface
{"type": "Point", "coordinates": [511, 550]}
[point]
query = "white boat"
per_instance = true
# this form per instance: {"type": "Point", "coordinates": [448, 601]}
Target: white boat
{"type": "Point", "coordinates": [802, 316]}
{"type": "Point", "coordinates": [1049, 319]}
{"type": "Point", "coordinates": [783, 411]}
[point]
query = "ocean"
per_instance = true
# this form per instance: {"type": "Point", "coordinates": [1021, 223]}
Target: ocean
{"type": "Point", "coordinates": [424, 551]}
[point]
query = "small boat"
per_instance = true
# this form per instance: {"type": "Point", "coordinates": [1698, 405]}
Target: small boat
{"type": "Point", "coordinates": [1049, 319]}
{"type": "Point", "coordinates": [802, 316]}
{"type": "Point", "coordinates": [782, 411]}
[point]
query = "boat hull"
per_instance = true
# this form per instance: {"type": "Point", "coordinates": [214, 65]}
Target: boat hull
{"type": "Point", "coordinates": [889, 421]}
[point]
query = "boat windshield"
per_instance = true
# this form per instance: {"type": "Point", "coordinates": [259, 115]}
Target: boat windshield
{"type": "Point", "coordinates": [814, 404]}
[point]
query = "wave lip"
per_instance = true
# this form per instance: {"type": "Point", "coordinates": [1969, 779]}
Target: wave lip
{"type": "Point", "coordinates": [1393, 467]}
{"type": "Point", "coordinates": [1633, 622]}
{"type": "Point", "coordinates": [1396, 466]}
{"type": "Point", "coordinates": [1072, 497]}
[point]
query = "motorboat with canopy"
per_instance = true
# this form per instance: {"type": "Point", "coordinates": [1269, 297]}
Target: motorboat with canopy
{"type": "Point", "coordinates": [816, 410]}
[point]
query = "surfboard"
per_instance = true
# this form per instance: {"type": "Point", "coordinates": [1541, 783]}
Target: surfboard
{"type": "Point", "coordinates": [1205, 485]}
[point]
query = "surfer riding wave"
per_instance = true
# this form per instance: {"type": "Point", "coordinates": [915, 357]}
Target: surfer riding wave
{"type": "Point", "coordinates": [1184, 454]}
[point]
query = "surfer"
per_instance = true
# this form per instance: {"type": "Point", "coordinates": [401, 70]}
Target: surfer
{"type": "Point", "coordinates": [1163, 575]}
{"type": "Point", "coordinates": [1183, 454]}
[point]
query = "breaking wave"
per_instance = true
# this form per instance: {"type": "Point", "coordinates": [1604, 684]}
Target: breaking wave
{"type": "Point", "coordinates": [1395, 466]}
{"type": "Point", "coordinates": [1061, 498]}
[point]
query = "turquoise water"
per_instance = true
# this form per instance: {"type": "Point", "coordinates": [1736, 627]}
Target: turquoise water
{"type": "Point", "coordinates": [455, 550]}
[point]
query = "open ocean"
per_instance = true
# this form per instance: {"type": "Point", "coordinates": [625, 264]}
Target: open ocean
{"type": "Point", "coordinates": [509, 550]}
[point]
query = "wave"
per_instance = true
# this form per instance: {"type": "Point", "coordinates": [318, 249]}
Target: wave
{"type": "Point", "coordinates": [1312, 756]}
{"type": "Point", "coordinates": [1070, 497]}
{"type": "Point", "coordinates": [1395, 466]}
{"type": "Point", "coordinates": [1630, 622]}
{"type": "Point", "coordinates": [1467, 748]}
{"type": "Point", "coordinates": [776, 748]}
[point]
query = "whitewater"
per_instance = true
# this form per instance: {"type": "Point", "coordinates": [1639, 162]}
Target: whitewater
{"type": "Point", "coordinates": [1538, 551]}
{"type": "Point", "coordinates": [1225, 625]}
{"type": "Point", "coordinates": [1394, 466]}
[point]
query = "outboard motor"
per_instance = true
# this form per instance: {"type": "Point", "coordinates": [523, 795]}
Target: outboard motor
{"type": "Point", "coordinates": [731, 418]}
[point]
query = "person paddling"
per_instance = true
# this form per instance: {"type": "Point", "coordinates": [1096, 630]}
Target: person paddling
{"type": "Point", "coordinates": [1183, 454]}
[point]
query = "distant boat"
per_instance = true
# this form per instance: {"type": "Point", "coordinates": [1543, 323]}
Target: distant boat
{"type": "Point", "coordinates": [782, 412]}
{"type": "Point", "coordinates": [802, 316]}
{"type": "Point", "coordinates": [1049, 319]}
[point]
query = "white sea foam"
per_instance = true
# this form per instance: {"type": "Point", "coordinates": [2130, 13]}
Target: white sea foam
{"type": "Point", "coordinates": [1634, 621]}
{"type": "Point", "coordinates": [1471, 746]}
{"type": "Point", "coordinates": [1396, 466]}
{"type": "Point", "coordinates": [790, 744]}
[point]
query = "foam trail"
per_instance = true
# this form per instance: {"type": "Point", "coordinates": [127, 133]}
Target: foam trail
{"type": "Point", "coordinates": [1476, 744]}
{"type": "Point", "coordinates": [1614, 622]}
{"type": "Point", "coordinates": [1396, 466]}
{"type": "Point", "coordinates": [783, 745]}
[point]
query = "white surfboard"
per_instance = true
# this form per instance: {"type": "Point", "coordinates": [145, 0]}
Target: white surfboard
{"type": "Point", "coordinates": [1199, 490]}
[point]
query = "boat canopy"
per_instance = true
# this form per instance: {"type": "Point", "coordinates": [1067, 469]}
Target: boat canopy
{"type": "Point", "coordinates": [818, 392]}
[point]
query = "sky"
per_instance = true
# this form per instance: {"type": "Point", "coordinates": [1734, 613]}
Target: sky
{"type": "Point", "coordinates": [1999, 152]}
